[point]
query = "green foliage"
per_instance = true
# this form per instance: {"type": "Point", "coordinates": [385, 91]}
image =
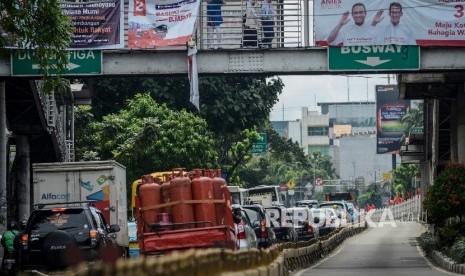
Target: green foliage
{"type": "Point", "coordinates": [148, 137]}
{"type": "Point", "coordinates": [372, 194]}
{"type": "Point", "coordinates": [283, 162]}
{"type": "Point", "coordinates": [402, 178]}
{"type": "Point", "coordinates": [414, 118]}
{"type": "Point", "coordinates": [38, 25]}
{"type": "Point", "coordinates": [83, 133]}
{"type": "Point", "coordinates": [231, 105]}
{"type": "Point", "coordinates": [446, 198]}
{"type": "Point", "coordinates": [111, 94]}
{"type": "Point", "coordinates": [428, 242]}
{"type": "Point", "coordinates": [457, 251]}
{"type": "Point", "coordinates": [448, 234]}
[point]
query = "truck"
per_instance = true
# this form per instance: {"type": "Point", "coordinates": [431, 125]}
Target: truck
{"type": "Point", "coordinates": [183, 211]}
{"type": "Point", "coordinates": [103, 183]}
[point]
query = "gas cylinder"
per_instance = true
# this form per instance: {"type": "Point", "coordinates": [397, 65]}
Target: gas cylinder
{"type": "Point", "coordinates": [218, 183]}
{"type": "Point", "coordinates": [165, 194]}
{"type": "Point", "coordinates": [149, 194]}
{"type": "Point", "coordinates": [202, 189]}
{"type": "Point", "coordinates": [228, 210]}
{"type": "Point", "coordinates": [180, 189]}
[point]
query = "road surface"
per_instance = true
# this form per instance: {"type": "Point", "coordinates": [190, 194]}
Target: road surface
{"type": "Point", "coordinates": [378, 251]}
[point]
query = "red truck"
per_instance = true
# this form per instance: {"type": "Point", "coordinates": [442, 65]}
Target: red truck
{"type": "Point", "coordinates": [184, 211]}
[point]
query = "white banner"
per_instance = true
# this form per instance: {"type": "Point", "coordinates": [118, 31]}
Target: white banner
{"type": "Point", "coordinates": [155, 23]}
{"type": "Point", "coordinates": [381, 22]}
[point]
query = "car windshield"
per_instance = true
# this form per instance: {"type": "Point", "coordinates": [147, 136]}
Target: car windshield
{"type": "Point", "coordinates": [46, 221]}
{"type": "Point", "coordinates": [253, 215]}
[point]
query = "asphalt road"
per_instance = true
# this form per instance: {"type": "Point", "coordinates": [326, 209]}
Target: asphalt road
{"type": "Point", "coordinates": [378, 251]}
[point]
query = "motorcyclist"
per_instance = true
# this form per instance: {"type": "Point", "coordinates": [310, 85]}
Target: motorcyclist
{"type": "Point", "coordinates": [7, 241]}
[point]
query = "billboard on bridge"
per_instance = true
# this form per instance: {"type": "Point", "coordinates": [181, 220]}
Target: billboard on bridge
{"type": "Point", "coordinates": [389, 112]}
{"type": "Point", "coordinates": [159, 23]}
{"type": "Point", "coordinates": [382, 22]}
{"type": "Point", "coordinates": [97, 24]}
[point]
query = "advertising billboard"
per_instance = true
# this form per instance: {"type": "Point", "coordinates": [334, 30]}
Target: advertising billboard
{"type": "Point", "coordinates": [159, 23]}
{"type": "Point", "coordinates": [389, 111]}
{"type": "Point", "coordinates": [97, 24]}
{"type": "Point", "coordinates": [383, 22]}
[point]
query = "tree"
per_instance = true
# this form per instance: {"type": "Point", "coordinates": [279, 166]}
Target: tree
{"type": "Point", "coordinates": [148, 137]}
{"type": "Point", "coordinates": [402, 178]}
{"type": "Point", "coordinates": [41, 26]}
{"type": "Point", "coordinates": [233, 106]}
{"type": "Point", "coordinates": [414, 118]}
{"type": "Point", "coordinates": [446, 198]}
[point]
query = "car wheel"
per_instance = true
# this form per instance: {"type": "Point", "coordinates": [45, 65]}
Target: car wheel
{"type": "Point", "coordinates": [60, 250]}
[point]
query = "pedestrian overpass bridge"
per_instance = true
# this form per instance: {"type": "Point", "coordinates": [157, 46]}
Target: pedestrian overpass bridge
{"type": "Point", "coordinates": [278, 61]}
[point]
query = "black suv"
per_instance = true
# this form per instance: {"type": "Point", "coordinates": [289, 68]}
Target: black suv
{"type": "Point", "coordinates": [62, 234]}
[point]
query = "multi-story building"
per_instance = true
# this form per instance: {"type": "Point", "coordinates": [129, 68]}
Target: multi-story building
{"type": "Point", "coordinates": [345, 131]}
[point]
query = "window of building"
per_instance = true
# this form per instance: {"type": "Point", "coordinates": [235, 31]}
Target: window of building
{"type": "Point", "coordinates": [317, 131]}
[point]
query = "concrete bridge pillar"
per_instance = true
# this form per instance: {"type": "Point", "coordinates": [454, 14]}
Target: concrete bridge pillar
{"type": "Point", "coordinates": [23, 184]}
{"type": "Point", "coordinates": [460, 119]}
{"type": "Point", "coordinates": [3, 190]}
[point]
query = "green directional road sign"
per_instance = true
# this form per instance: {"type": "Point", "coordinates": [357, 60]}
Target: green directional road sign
{"type": "Point", "coordinates": [81, 62]}
{"type": "Point", "coordinates": [375, 57]}
{"type": "Point", "coordinates": [260, 146]}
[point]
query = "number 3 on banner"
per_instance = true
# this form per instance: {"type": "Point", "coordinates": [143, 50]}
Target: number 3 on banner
{"type": "Point", "coordinates": [459, 9]}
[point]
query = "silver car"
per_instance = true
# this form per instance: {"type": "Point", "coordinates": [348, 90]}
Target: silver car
{"type": "Point", "coordinates": [245, 234]}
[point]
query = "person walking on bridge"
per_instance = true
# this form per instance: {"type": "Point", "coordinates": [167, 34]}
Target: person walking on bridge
{"type": "Point", "coordinates": [214, 21]}
{"type": "Point", "coordinates": [250, 25]}
{"type": "Point", "coordinates": [268, 15]}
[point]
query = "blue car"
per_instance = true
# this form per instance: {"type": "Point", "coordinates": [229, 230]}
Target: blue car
{"type": "Point", "coordinates": [133, 244]}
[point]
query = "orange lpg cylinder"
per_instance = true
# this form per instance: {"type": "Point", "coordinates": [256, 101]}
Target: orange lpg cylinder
{"type": "Point", "coordinates": [228, 210]}
{"type": "Point", "coordinates": [180, 190]}
{"type": "Point", "coordinates": [218, 183]}
{"type": "Point", "coordinates": [202, 189]}
{"type": "Point", "coordinates": [166, 195]}
{"type": "Point", "coordinates": [149, 194]}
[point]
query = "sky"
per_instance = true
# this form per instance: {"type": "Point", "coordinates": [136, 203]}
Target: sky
{"type": "Point", "coordinates": [307, 91]}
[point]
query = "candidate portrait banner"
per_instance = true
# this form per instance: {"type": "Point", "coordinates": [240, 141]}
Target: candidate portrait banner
{"type": "Point", "coordinates": [389, 112]}
{"type": "Point", "coordinates": [97, 24]}
{"type": "Point", "coordinates": [417, 22]}
{"type": "Point", "coordinates": [160, 23]}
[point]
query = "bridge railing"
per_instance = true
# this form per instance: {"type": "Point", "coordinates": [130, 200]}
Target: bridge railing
{"type": "Point", "coordinates": [287, 30]}
{"type": "Point", "coordinates": [54, 120]}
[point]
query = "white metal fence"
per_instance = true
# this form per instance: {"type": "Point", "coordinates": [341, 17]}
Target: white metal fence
{"type": "Point", "coordinates": [287, 30]}
{"type": "Point", "coordinates": [409, 210]}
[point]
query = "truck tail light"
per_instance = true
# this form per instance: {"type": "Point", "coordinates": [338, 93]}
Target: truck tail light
{"type": "Point", "coordinates": [241, 231]}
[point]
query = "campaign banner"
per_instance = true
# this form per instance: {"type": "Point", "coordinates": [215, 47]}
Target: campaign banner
{"type": "Point", "coordinates": [160, 23]}
{"type": "Point", "coordinates": [97, 24]}
{"type": "Point", "coordinates": [389, 112]}
{"type": "Point", "coordinates": [383, 22]}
